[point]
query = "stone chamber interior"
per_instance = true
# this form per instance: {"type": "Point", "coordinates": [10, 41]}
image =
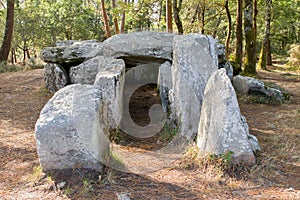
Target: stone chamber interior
{"type": "Point", "coordinates": [140, 102]}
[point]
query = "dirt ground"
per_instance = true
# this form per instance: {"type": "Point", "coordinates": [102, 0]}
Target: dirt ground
{"type": "Point", "coordinates": [276, 175]}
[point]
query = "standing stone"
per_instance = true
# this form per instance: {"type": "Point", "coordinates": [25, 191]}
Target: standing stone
{"type": "Point", "coordinates": [222, 128]}
{"type": "Point", "coordinates": [165, 83]}
{"type": "Point", "coordinates": [70, 132]}
{"type": "Point", "coordinates": [55, 77]}
{"type": "Point", "coordinates": [112, 83]}
{"type": "Point", "coordinates": [86, 72]}
{"type": "Point", "coordinates": [191, 69]}
{"type": "Point", "coordinates": [140, 45]}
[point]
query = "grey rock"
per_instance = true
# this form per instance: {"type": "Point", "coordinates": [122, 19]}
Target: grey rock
{"type": "Point", "coordinates": [140, 46]}
{"type": "Point", "coordinates": [75, 53]}
{"type": "Point", "coordinates": [222, 128]}
{"type": "Point", "coordinates": [191, 69]}
{"type": "Point", "coordinates": [123, 196]}
{"type": "Point", "coordinates": [70, 132]}
{"type": "Point", "coordinates": [62, 43]}
{"type": "Point", "coordinates": [55, 77]}
{"type": "Point", "coordinates": [249, 85]}
{"type": "Point", "coordinates": [209, 44]}
{"type": "Point", "coordinates": [86, 72]}
{"type": "Point", "coordinates": [111, 82]}
{"type": "Point", "coordinates": [229, 69]}
{"type": "Point", "coordinates": [165, 84]}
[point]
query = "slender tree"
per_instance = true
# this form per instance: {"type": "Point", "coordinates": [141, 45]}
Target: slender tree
{"type": "Point", "coordinates": [239, 34]}
{"type": "Point", "coordinates": [250, 62]}
{"type": "Point", "coordinates": [117, 31]}
{"type": "Point", "coordinates": [105, 18]}
{"type": "Point", "coordinates": [169, 15]}
{"type": "Point", "coordinates": [229, 27]}
{"type": "Point", "coordinates": [8, 33]}
{"type": "Point", "coordinates": [123, 19]}
{"type": "Point", "coordinates": [176, 10]}
{"type": "Point", "coordinates": [265, 47]}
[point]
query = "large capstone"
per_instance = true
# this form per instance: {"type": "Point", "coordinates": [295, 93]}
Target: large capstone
{"type": "Point", "coordinates": [86, 72]}
{"type": "Point", "coordinates": [72, 52]}
{"type": "Point", "coordinates": [194, 61]}
{"type": "Point", "coordinates": [140, 47]}
{"type": "Point", "coordinates": [222, 128]}
{"type": "Point", "coordinates": [71, 130]}
{"type": "Point", "coordinates": [55, 77]}
{"type": "Point", "coordinates": [111, 83]}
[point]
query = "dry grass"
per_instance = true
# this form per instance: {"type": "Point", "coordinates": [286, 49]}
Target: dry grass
{"type": "Point", "coordinates": [276, 175]}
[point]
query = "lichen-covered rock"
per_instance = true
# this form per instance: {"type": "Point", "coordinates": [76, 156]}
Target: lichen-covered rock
{"type": "Point", "coordinates": [70, 132]}
{"type": "Point", "coordinates": [55, 77]}
{"type": "Point", "coordinates": [86, 72]}
{"type": "Point", "coordinates": [111, 82]}
{"type": "Point", "coordinates": [249, 85]}
{"type": "Point", "coordinates": [194, 61]}
{"type": "Point", "coordinates": [209, 44]}
{"type": "Point", "coordinates": [142, 46]}
{"type": "Point", "coordinates": [75, 53]}
{"type": "Point", "coordinates": [222, 128]}
{"type": "Point", "coordinates": [165, 83]}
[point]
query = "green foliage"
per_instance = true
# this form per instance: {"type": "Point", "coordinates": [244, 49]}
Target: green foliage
{"type": "Point", "coordinates": [9, 68]}
{"type": "Point", "coordinates": [168, 133]}
{"type": "Point", "coordinates": [294, 59]}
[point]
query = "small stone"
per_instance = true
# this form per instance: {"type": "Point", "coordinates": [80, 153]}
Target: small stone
{"type": "Point", "coordinates": [290, 189]}
{"type": "Point", "coordinates": [61, 185]}
{"type": "Point", "coordinates": [123, 196]}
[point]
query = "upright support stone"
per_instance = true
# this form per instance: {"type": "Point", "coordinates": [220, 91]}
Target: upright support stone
{"type": "Point", "coordinates": [111, 82]}
{"type": "Point", "coordinates": [86, 72]}
{"type": "Point", "coordinates": [194, 61]}
{"type": "Point", "coordinates": [222, 128]}
{"type": "Point", "coordinates": [71, 130]}
{"type": "Point", "coordinates": [165, 84]}
{"type": "Point", "coordinates": [55, 77]}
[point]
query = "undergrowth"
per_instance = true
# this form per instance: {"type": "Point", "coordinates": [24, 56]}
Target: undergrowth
{"type": "Point", "coordinates": [221, 165]}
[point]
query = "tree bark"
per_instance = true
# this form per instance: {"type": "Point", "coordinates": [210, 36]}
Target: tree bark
{"type": "Point", "coordinates": [176, 10]}
{"type": "Point", "coordinates": [265, 46]}
{"type": "Point", "coordinates": [105, 18]}
{"type": "Point", "coordinates": [229, 28]}
{"type": "Point", "coordinates": [201, 16]}
{"type": "Point", "coordinates": [8, 33]}
{"type": "Point", "coordinates": [123, 19]}
{"type": "Point", "coordinates": [239, 34]}
{"type": "Point", "coordinates": [250, 63]}
{"type": "Point", "coordinates": [117, 31]}
{"type": "Point", "coordinates": [169, 16]}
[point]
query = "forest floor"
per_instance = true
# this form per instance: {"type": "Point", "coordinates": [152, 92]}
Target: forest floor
{"type": "Point", "coordinates": [276, 175]}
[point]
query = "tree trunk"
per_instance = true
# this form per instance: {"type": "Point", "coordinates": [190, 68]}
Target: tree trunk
{"type": "Point", "coordinates": [239, 34]}
{"type": "Point", "coordinates": [201, 17]}
{"type": "Point", "coordinates": [176, 10]}
{"type": "Point", "coordinates": [229, 28]}
{"type": "Point", "coordinates": [123, 19]}
{"type": "Point", "coordinates": [265, 47]}
{"type": "Point", "coordinates": [269, 55]}
{"type": "Point", "coordinates": [117, 31]}
{"type": "Point", "coordinates": [8, 33]}
{"type": "Point", "coordinates": [105, 18]}
{"type": "Point", "coordinates": [169, 16]}
{"type": "Point", "coordinates": [250, 63]}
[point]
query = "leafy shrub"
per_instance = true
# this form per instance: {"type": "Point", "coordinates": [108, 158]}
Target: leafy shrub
{"type": "Point", "coordinates": [8, 68]}
{"type": "Point", "coordinates": [34, 63]}
{"type": "Point", "coordinates": [294, 59]}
